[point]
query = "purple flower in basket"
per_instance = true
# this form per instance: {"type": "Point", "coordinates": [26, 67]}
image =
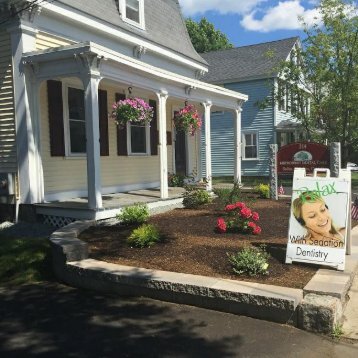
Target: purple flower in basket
{"type": "Point", "coordinates": [133, 110]}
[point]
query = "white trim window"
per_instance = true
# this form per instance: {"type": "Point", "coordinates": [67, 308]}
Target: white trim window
{"type": "Point", "coordinates": [138, 139]}
{"type": "Point", "coordinates": [75, 123]}
{"type": "Point", "coordinates": [250, 141]}
{"type": "Point", "coordinates": [133, 12]}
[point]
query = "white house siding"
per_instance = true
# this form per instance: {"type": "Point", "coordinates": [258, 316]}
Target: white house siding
{"type": "Point", "coordinates": [45, 40]}
{"type": "Point", "coordinates": [70, 174]}
{"type": "Point", "coordinates": [8, 161]}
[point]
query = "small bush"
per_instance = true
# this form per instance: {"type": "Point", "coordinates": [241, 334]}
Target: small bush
{"type": "Point", "coordinates": [194, 197]}
{"type": "Point", "coordinates": [263, 190]}
{"type": "Point", "coordinates": [250, 261]}
{"type": "Point", "coordinates": [144, 236]}
{"type": "Point", "coordinates": [136, 214]}
{"type": "Point", "coordinates": [176, 180]}
{"type": "Point", "coordinates": [229, 196]}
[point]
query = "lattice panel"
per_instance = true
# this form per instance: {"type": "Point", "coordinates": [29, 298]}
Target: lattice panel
{"type": "Point", "coordinates": [57, 221]}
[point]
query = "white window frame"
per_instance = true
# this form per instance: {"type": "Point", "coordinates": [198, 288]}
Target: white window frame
{"type": "Point", "coordinates": [147, 141]}
{"type": "Point", "coordinates": [244, 133]}
{"type": "Point", "coordinates": [66, 119]}
{"type": "Point", "coordinates": [123, 10]}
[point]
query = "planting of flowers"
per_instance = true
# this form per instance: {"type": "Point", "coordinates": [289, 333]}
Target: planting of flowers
{"type": "Point", "coordinates": [134, 110]}
{"type": "Point", "coordinates": [187, 119]}
{"type": "Point", "coordinates": [239, 218]}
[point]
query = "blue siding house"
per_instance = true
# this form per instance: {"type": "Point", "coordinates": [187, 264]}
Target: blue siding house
{"type": "Point", "coordinates": [251, 70]}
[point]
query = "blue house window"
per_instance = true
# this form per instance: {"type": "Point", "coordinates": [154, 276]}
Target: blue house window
{"type": "Point", "coordinates": [251, 145]}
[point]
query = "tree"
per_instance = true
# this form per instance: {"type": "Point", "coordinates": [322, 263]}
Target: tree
{"type": "Point", "coordinates": [204, 36]}
{"type": "Point", "coordinates": [325, 71]}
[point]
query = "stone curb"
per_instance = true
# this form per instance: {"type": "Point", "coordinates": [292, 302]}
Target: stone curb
{"type": "Point", "coordinates": [326, 295]}
{"type": "Point", "coordinates": [308, 309]}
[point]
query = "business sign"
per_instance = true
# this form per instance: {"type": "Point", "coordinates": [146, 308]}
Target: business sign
{"type": "Point", "coordinates": [302, 155]}
{"type": "Point", "coordinates": [319, 222]}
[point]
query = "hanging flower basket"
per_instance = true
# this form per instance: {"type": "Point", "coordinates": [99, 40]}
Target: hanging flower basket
{"type": "Point", "coordinates": [133, 110]}
{"type": "Point", "coordinates": [187, 119]}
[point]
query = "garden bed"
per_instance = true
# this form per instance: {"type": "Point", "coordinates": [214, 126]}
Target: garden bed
{"type": "Point", "coordinates": [191, 245]}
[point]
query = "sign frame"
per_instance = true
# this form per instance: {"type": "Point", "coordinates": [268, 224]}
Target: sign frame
{"type": "Point", "coordinates": [309, 155]}
{"type": "Point", "coordinates": [303, 244]}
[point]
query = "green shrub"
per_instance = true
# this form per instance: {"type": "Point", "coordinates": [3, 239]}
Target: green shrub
{"type": "Point", "coordinates": [263, 190]}
{"type": "Point", "coordinates": [251, 261]}
{"type": "Point", "coordinates": [136, 214]}
{"type": "Point", "coordinates": [176, 180]}
{"type": "Point", "coordinates": [144, 236]}
{"type": "Point", "coordinates": [229, 196]}
{"type": "Point", "coordinates": [194, 197]}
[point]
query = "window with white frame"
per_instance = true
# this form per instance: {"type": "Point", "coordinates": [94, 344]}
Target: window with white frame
{"type": "Point", "coordinates": [133, 12]}
{"type": "Point", "coordinates": [76, 124]}
{"type": "Point", "coordinates": [251, 145]}
{"type": "Point", "coordinates": [138, 139]}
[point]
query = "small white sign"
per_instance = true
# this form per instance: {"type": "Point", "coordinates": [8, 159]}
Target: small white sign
{"type": "Point", "coordinates": [319, 220]}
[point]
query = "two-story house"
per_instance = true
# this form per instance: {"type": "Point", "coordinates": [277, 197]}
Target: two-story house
{"type": "Point", "coordinates": [252, 70]}
{"type": "Point", "coordinates": [64, 63]}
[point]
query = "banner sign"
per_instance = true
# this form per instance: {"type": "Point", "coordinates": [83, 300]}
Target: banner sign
{"type": "Point", "coordinates": [319, 222]}
{"type": "Point", "coordinates": [302, 155]}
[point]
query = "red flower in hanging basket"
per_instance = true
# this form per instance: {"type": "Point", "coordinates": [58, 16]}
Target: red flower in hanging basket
{"type": "Point", "coordinates": [187, 119]}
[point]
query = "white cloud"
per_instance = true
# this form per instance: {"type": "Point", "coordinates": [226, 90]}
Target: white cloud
{"type": "Point", "coordinates": [193, 7]}
{"type": "Point", "coordinates": [283, 16]}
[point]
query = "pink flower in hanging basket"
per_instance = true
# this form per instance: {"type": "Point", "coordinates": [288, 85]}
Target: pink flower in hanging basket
{"type": "Point", "coordinates": [134, 110]}
{"type": "Point", "coordinates": [187, 119]}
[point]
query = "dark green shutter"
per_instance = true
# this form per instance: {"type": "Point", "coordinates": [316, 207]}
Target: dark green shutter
{"type": "Point", "coordinates": [154, 129]}
{"type": "Point", "coordinates": [55, 115]}
{"type": "Point", "coordinates": [103, 122]}
{"type": "Point", "coordinates": [121, 132]}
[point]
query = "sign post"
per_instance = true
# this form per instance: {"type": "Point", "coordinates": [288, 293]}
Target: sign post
{"type": "Point", "coordinates": [319, 227]}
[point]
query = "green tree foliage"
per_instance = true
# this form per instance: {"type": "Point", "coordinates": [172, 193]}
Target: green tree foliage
{"type": "Point", "coordinates": [204, 36]}
{"type": "Point", "coordinates": [327, 68]}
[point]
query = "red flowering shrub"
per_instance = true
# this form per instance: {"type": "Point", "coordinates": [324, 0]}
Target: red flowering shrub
{"type": "Point", "coordinates": [240, 218]}
{"type": "Point", "coordinates": [221, 225]}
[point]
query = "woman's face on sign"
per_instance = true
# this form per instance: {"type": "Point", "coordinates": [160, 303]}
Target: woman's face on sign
{"type": "Point", "coordinates": [316, 217]}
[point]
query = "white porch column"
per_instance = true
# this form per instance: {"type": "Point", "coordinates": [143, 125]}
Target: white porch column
{"type": "Point", "coordinates": [163, 154]}
{"type": "Point", "coordinates": [92, 144]}
{"type": "Point", "coordinates": [23, 39]}
{"type": "Point", "coordinates": [237, 145]}
{"type": "Point", "coordinates": [91, 82]}
{"type": "Point", "coordinates": [209, 185]}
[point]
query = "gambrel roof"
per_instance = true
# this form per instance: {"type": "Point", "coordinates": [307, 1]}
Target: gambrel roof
{"type": "Point", "coordinates": [247, 62]}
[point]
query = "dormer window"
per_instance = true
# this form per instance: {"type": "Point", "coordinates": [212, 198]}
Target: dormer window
{"type": "Point", "coordinates": [133, 12]}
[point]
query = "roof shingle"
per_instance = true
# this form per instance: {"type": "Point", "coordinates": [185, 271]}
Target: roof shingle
{"type": "Point", "coordinates": [247, 62]}
{"type": "Point", "coordinates": [164, 23]}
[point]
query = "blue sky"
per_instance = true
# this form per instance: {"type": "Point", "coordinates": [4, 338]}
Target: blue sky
{"type": "Point", "coordinates": [248, 22]}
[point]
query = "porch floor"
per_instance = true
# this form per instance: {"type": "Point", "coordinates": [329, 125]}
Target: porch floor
{"type": "Point", "coordinates": [77, 208]}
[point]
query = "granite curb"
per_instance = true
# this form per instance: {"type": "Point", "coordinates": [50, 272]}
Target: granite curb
{"type": "Point", "coordinates": [318, 307]}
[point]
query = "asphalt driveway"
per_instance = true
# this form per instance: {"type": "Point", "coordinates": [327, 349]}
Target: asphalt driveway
{"type": "Point", "coordinates": [53, 320]}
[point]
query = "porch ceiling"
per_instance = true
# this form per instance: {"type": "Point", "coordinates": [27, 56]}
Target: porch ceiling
{"type": "Point", "coordinates": [74, 60]}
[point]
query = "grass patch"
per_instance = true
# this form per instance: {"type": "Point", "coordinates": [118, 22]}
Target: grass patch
{"type": "Point", "coordinates": [24, 260]}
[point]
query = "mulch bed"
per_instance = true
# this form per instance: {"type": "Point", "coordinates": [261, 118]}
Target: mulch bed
{"type": "Point", "coordinates": [191, 245]}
